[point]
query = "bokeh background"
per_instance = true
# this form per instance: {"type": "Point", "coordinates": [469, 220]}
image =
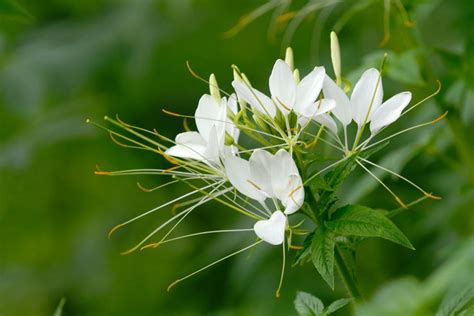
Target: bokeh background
{"type": "Point", "coordinates": [62, 61]}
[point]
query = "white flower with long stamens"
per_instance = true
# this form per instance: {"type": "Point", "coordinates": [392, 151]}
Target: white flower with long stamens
{"type": "Point", "coordinates": [267, 187]}
{"type": "Point", "coordinates": [366, 104]}
{"type": "Point", "coordinates": [266, 176]}
{"type": "Point", "coordinates": [287, 94]}
{"type": "Point", "coordinates": [211, 117]}
{"type": "Point", "coordinates": [366, 108]}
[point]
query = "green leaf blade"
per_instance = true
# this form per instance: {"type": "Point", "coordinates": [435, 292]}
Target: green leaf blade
{"type": "Point", "coordinates": [322, 254]}
{"type": "Point", "coordinates": [308, 305]}
{"type": "Point", "coordinates": [357, 220]}
{"type": "Point", "coordinates": [337, 305]}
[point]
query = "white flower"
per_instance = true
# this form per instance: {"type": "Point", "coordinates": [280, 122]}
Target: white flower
{"type": "Point", "coordinates": [365, 104]}
{"type": "Point", "coordinates": [389, 111]}
{"type": "Point", "coordinates": [267, 176]}
{"type": "Point", "coordinates": [272, 230]}
{"type": "Point", "coordinates": [287, 94]}
{"type": "Point", "coordinates": [208, 143]}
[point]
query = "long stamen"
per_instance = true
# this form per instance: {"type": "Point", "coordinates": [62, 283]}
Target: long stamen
{"type": "Point", "coordinates": [182, 214]}
{"type": "Point", "coordinates": [439, 118]}
{"type": "Point", "coordinates": [425, 99]}
{"type": "Point", "coordinates": [155, 245]}
{"type": "Point", "coordinates": [195, 75]}
{"type": "Point", "coordinates": [324, 169]}
{"type": "Point", "coordinates": [238, 209]}
{"type": "Point", "coordinates": [282, 275]}
{"type": "Point", "coordinates": [156, 209]}
{"type": "Point", "coordinates": [233, 201]}
{"type": "Point", "coordinates": [212, 264]}
{"type": "Point", "coordinates": [202, 201]}
{"type": "Point", "coordinates": [147, 190]}
{"type": "Point", "coordinates": [241, 127]}
{"type": "Point", "coordinates": [399, 201]}
{"type": "Point", "coordinates": [429, 195]}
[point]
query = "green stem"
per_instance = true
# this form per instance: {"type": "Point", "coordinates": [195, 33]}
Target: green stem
{"type": "Point", "coordinates": [346, 275]}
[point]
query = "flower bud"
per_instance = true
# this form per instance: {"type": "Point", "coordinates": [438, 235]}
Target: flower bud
{"type": "Point", "coordinates": [214, 88]}
{"type": "Point", "coordinates": [289, 58]}
{"type": "Point", "coordinates": [336, 57]}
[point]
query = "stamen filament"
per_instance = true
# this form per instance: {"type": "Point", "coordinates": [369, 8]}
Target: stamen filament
{"type": "Point", "coordinates": [429, 195]}
{"type": "Point", "coordinates": [399, 201]}
{"type": "Point", "coordinates": [212, 264]}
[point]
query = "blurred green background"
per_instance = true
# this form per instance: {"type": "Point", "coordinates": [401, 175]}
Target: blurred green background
{"type": "Point", "coordinates": [62, 61]}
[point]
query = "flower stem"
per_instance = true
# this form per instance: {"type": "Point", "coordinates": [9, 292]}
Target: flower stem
{"type": "Point", "coordinates": [346, 275]}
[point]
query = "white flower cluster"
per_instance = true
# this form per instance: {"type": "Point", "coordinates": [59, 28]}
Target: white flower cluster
{"type": "Point", "coordinates": [266, 176]}
{"type": "Point", "coordinates": [248, 148]}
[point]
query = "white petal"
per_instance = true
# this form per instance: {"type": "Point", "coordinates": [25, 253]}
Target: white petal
{"type": "Point", "coordinates": [309, 89]}
{"type": "Point", "coordinates": [282, 168]}
{"type": "Point", "coordinates": [272, 230]}
{"type": "Point", "coordinates": [232, 103]}
{"type": "Point", "coordinates": [260, 170]}
{"type": "Point", "coordinates": [389, 111]}
{"type": "Point", "coordinates": [190, 137]}
{"type": "Point", "coordinates": [342, 111]}
{"type": "Point", "coordinates": [294, 197]}
{"type": "Point", "coordinates": [255, 98]}
{"type": "Point", "coordinates": [326, 120]}
{"type": "Point", "coordinates": [366, 92]}
{"type": "Point", "coordinates": [214, 147]}
{"type": "Point", "coordinates": [238, 173]}
{"type": "Point", "coordinates": [230, 127]}
{"type": "Point", "coordinates": [189, 145]}
{"type": "Point", "coordinates": [320, 107]}
{"type": "Point", "coordinates": [283, 86]}
{"type": "Point", "coordinates": [207, 115]}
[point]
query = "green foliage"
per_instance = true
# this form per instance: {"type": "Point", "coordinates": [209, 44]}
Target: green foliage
{"type": "Point", "coordinates": [334, 179]}
{"type": "Point", "coordinates": [322, 254]}
{"type": "Point", "coordinates": [337, 305]}
{"type": "Point", "coordinates": [456, 299]}
{"type": "Point", "coordinates": [361, 221]}
{"type": "Point", "coordinates": [304, 254]}
{"type": "Point", "coordinates": [308, 305]}
{"type": "Point", "coordinates": [68, 60]}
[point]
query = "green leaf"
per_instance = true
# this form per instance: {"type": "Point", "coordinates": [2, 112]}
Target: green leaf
{"type": "Point", "coordinates": [308, 305]}
{"type": "Point", "coordinates": [337, 305]}
{"type": "Point", "coordinates": [456, 300]}
{"type": "Point", "coordinates": [334, 179]}
{"type": "Point", "coordinates": [318, 183]}
{"type": "Point", "coordinates": [303, 254]}
{"type": "Point", "coordinates": [322, 254]}
{"type": "Point", "coordinates": [357, 220]}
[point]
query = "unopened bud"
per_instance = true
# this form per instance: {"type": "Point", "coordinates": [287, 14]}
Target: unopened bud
{"type": "Point", "coordinates": [336, 57]}
{"type": "Point", "coordinates": [214, 88]}
{"type": "Point", "coordinates": [296, 75]}
{"type": "Point", "coordinates": [289, 58]}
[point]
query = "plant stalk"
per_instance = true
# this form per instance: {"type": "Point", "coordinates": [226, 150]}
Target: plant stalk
{"type": "Point", "coordinates": [346, 275]}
